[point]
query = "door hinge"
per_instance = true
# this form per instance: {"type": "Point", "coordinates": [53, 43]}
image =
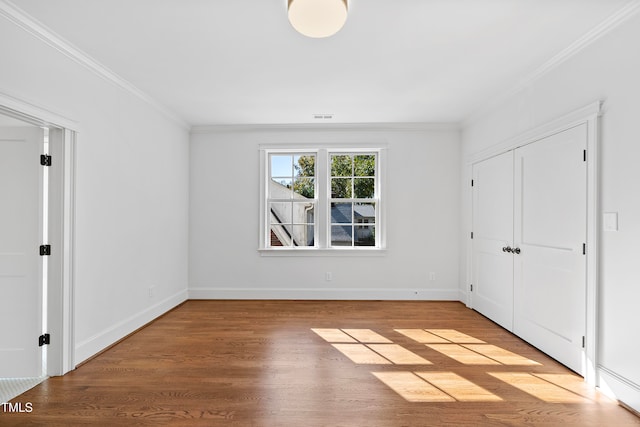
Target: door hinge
{"type": "Point", "coordinates": [45, 160]}
{"type": "Point", "coordinates": [472, 183]}
{"type": "Point", "coordinates": [472, 234]}
{"type": "Point", "coordinates": [583, 341]}
{"type": "Point", "coordinates": [45, 250]}
{"type": "Point", "coordinates": [44, 339]}
{"type": "Point", "coordinates": [471, 287]}
{"type": "Point", "coordinates": [584, 155]}
{"type": "Point", "coordinates": [584, 249]}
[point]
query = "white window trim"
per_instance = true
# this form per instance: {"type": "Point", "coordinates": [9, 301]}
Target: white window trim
{"type": "Point", "coordinates": [322, 226]}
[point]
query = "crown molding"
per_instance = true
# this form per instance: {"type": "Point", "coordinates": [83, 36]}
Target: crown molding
{"type": "Point", "coordinates": [327, 127]}
{"type": "Point", "coordinates": [609, 24]}
{"type": "Point", "coordinates": [21, 19]}
{"type": "Point", "coordinates": [574, 118]}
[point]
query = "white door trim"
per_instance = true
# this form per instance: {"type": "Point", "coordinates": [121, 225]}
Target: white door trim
{"type": "Point", "coordinates": [588, 115]}
{"type": "Point", "coordinates": [60, 353]}
{"type": "Point", "coordinates": [36, 115]}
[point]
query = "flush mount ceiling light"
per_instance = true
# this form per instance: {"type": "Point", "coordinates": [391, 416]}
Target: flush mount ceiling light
{"type": "Point", "coordinates": [317, 18]}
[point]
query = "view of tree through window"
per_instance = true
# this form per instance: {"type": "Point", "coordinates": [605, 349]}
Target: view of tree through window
{"type": "Point", "coordinates": [338, 187]}
{"type": "Point", "coordinates": [353, 207]}
{"type": "Point", "coordinates": [305, 170]}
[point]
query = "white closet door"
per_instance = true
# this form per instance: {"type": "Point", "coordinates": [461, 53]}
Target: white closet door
{"type": "Point", "coordinates": [492, 293]}
{"type": "Point", "coordinates": [20, 271]}
{"type": "Point", "coordinates": [550, 230]}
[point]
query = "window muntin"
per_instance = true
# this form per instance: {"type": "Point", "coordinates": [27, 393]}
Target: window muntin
{"type": "Point", "coordinates": [353, 199]}
{"type": "Point", "coordinates": [291, 202]}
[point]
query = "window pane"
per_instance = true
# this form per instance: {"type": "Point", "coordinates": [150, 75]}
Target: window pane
{"type": "Point", "coordinates": [310, 212]}
{"type": "Point", "coordinates": [304, 187]}
{"type": "Point", "coordinates": [365, 165]}
{"type": "Point", "coordinates": [305, 165]}
{"type": "Point", "coordinates": [341, 188]}
{"type": "Point", "coordinates": [341, 165]}
{"type": "Point", "coordinates": [280, 188]}
{"type": "Point", "coordinates": [341, 235]}
{"type": "Point", "coordinates": [280, 235]}
{"type": "Point", "coordinates": [301, 213]}
{"type": "Point", "coordinates": [303, 235]}
{"type": "Point", "coordinates": [365, 235]}
{"type": "Point", "coordinates": [364, 188]}
{"type": "Point", "coordinates": [281, 165]}
{"type": "Point", "coordinates": [364, 213]}
{"type": "Point", "coordinates": [341, 213]}
{"type": "Point", "coordinates": [281, 213]}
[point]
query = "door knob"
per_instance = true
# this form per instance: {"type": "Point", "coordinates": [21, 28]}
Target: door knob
{"type": "Point", "coordinates": [516, 251]}
{"type": "Point", "coordinates": [507, 249]}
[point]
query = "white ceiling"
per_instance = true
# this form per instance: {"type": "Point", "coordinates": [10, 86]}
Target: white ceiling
{"type": "Point", "coordinates": [241, 62]}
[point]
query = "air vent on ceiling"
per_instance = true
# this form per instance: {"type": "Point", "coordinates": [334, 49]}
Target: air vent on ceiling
{"type": "Point", "coordinates": [323, 116]}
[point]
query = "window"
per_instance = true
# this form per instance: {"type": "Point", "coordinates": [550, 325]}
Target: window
{"type": "Point", "coordinates": [291, 203]}
{"type": "Point", "coordinates": [321, 199]}
{"type": "Point", "coordinates": [352, 202]}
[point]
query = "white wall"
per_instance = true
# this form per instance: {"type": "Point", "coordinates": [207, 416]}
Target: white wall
{"type": "Point", "coordinates": [131, 189]}
{"type": "Point", "coordinates": [422, 211]}
{"type": "Point", "coordinates": [609, 69]}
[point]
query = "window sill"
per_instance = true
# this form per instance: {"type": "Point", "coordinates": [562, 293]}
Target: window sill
{"type": "Point", "coordinates": [323, 252]}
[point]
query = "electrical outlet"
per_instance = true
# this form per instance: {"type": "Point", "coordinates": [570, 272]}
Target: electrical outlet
{"type": "Point", "coordinates": [432, 276]}
{"type": "Point", "coordinates": [152, 291]}
{"type": "Point", "coordinates": [328, 276]}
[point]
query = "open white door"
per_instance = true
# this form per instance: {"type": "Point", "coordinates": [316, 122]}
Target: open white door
{"type": "Point", "coordinates": [550, 231]}
{"type": "Point", "coordinates": [20, 261]}
{"type": "Point", "coordinates": [492, 293]}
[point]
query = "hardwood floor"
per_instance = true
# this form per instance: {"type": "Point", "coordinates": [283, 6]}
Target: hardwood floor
{"type": "Point", "coordinates": [311, 363]}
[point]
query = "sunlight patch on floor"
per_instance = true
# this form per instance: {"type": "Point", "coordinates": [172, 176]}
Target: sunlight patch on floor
{"type": "Point", "coordinates": [398, 354]}
{"type": "Point", "coordinates": [412, 388]}
{"type": "Point", "coordinates": [459, 388]}
{"type": "Point", "coordinates": [366, 336]}
{"type": "Point", "coordinates": [365, 346]}
{"type": "Point", "coordinates": [454, 336]}
{"type": "Point", "coordinates": [501, 355]}
{"type": "Point", "coordinates": [572, 383]}
{"type": "Point", "coordinates": [462, 354]}
{"type": "Point", "coordinates": [538, 387]}
{"type": "Point", "coordinates": [333, 335]}
{"type": "Point", "coordinates": [422, 336]}
{"type": "Point", "coordinates": [361, 354]}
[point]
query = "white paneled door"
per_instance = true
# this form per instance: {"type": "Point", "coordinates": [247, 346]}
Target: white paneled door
{"type": "Point", "coordinates": [550, 226]}
{"type": "Point", "coordinates": [530, 225]}
{"type": "Point", "coordinates": [20, 263]}
{"type": "Point", "coordinates": [493, 232]}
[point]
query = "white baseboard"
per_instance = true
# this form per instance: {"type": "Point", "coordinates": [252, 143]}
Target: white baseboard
{"type": "Point", "coordinates": [104, 339]}
{"type": "Point", "coordinates": [463, 297]}
{"type": "Point", "coordinates": [326, 294]}
{"type": "Point", "coordinates": [619, 388]}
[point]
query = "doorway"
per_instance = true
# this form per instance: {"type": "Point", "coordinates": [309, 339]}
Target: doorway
{"type": "Point", "coordinates": [36, 249]}
{"type": "Point", "coordinates": [23, 219]}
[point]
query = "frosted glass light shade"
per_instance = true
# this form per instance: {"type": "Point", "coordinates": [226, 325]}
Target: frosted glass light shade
{"type": "Point", "coordinates": [317, 18]}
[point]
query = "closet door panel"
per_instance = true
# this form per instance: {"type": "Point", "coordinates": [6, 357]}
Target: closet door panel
{"type": "Point", "coordinates": [549, 231]}
{"type": "Point", "coordinates": [492, 293]}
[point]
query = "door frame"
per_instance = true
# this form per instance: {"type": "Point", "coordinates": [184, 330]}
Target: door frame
{"type": "Point", "coordinates": [589, 115]}
{"type": "Point", "coordinates": [60, 357]}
